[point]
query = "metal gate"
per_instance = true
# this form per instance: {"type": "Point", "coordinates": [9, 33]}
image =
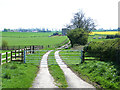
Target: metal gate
{"type": "Point", "coordinates": [71, 56]}
{"type": "Point", "coordinates": [68, 56]}
{"type": "Point", "coordinates": [34, 57]}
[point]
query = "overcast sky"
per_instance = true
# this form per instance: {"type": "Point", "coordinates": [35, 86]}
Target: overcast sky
{"type": "Point", "coordinates": [56, 13]}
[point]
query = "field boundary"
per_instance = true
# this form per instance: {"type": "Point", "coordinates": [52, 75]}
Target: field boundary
{"type": "Point", "coordinates": [84, 59]}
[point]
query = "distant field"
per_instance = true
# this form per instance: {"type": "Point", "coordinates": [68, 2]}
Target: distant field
{"type": "Point", "coordinates": [105, 33]}
{"type": "Point", "coordinates": [102, 35]}
{"type": "Point", "coordinates": [30, 38]}
{"type": "Point", "coordinates": [97, 38]}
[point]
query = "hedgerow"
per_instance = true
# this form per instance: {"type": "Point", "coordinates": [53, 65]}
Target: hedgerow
{"type": "Point", "coordinates": [107, 50]}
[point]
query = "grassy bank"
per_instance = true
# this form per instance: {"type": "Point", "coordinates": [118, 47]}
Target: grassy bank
{"type": "Point", "coordinates": [99, 73]}
{"type": "Point", "coordinates": [56, 72]}
{"type": "Point", "coordinates": [20, 75]}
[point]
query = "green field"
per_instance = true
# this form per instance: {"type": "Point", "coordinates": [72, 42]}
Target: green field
{"type": "Point", "coordinates": [30, 38]}
{"type": "Point", "coordinates": [90, 38]}
{"type": "Point", "coordinates": [99, 73]}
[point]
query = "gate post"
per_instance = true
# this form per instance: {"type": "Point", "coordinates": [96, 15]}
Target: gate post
{"type": "Point", "coordinates": [15, 53]}
{"type": "Point", "coordinates": [11, 55]}
{"type": "Point", "coordinates": [0, 58]}
{"type": "Point", "coordinates": [30, 49]}
{"type": "Point", "coordinates": [24, 56]}
{"type": "Point", "coordinates": [33, 49]}
{"type": "Point", "coordinates": [6, 57]}
{"type": "Point", "coordinates": [82, 56]}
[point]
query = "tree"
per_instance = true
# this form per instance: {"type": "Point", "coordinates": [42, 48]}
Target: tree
{"type": "Point", "coordinates": [4, 44]}
{"type": "Point", "coordinates": [77, 36]}
{"type": "Point", "coordinates": [6, 30]}
{"type": "Point", "coordinates": [80, 21]}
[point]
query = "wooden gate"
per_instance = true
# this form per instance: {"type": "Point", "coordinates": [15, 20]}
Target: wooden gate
{"type": "Point", "coordinates": [17, 55]}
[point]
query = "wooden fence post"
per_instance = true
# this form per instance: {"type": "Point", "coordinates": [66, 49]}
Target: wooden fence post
{"type": "Point", "coordinates": [30, 49]}
{"type": "Point", "coordinates": [22, 56]}
{"type": "Point", "coordinates": [25, 48]}
{"type": "Point", "coordinates": [48, 46]}
{"type": "Point", "coordinates": [33, 49]}
{"type": "Point", "coordinates": [11, 55]}
{"type": "Point", "coordinates": [6, 57]}
{"type": "Point", "coordinates": [42, 47]}
{"type": "Point", "coordinates": [0, 58]}
{"type": "Point", "coordinates": [15, 54]}
{"type": "Point", "coordinates": [83, 55]}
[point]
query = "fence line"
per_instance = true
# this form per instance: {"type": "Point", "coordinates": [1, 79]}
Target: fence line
{"type": "Point", "coordinates": [16, 55]}
{"type": "Point", "coordinates": [83, 57]}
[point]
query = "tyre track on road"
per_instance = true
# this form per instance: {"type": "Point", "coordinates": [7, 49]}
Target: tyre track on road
{"type": "Point", "coordinates": [72, 79]}
{"type": "Point", "coordinates": [43, 78]}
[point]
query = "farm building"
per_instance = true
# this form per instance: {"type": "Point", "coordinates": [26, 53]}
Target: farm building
{"type": "Point", "coordinates": [119, 29]}
{"type": "Point", "coordinates": [64, 31]}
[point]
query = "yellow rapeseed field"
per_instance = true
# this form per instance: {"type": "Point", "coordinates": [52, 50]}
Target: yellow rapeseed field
{"type": "Point", "coordinates": [106, 33]}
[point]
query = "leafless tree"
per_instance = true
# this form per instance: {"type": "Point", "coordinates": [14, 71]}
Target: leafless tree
{"type": "Point", "coordinates": [80, 21]}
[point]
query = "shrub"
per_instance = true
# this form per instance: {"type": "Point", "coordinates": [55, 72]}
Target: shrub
{"type": "Point", "coordinates": [112, 36]}
{"type": "Point", "coordinates": [4, 44]}
{"type": "Point", "coordinates": [56, 33]}
{"type": "Point", "coordinates": [77, 36]}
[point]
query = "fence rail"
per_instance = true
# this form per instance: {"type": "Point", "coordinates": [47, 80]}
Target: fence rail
{"type": "Point", "coordinates": [17, 55]}
{"type": "Point", "coordinates": [83, 57]}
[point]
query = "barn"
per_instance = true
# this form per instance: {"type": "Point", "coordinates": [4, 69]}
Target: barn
{"type": "Point", "coordinates": [64, 31]}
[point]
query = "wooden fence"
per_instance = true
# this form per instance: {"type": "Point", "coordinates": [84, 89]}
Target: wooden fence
{"type": "Point", "coordinates": [17, 55]}
{"type": "Point", "coordinates": [19, 47]}
{"type": "Point", "coordinates": [83, 57]}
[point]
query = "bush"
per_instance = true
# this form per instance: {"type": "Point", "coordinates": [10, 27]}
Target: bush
{"type": "Point", "coordinates": [112, 36]}
{"type": "Point", "coordinates": [56, 33]}
{"type": "Point", "coordinates": [77, 36]}
{"type": "Point", "coordinates": [4, 44]}
{"type": "Point", "coordinates": [107, 50]}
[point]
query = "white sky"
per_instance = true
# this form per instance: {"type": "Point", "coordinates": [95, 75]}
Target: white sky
{"type": "Point", "coordinates": [56, 13]}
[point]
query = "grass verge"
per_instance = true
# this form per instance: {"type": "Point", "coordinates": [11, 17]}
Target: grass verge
{"type": "Point", "coordinates": [99, 73]}
{"type": "Point", "coordinates": [20, 75]}
{"type": "Point", "coordinates": [56, 72]}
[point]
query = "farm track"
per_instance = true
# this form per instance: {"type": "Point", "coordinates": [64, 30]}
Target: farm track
{"type": "Point", "coordinates": [44, 79]}
{"type": "Point", "coordinates": [73, 80]}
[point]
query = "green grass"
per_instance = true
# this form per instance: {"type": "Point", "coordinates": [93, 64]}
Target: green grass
{"type": "Point", "coordinates": [0, 77]}
{"type": "Point", "coordinates": [99, 73]}
{"type": "Point", "coordinates": [56, 72]}
{"type": "Point", "coordinates": [21, 75]}
{"type": "Point", "coordinates": [29, 38]}
{"type": "Point", "coordinates": [3, 51]}
{"type": "Point", "coordinates": [25, 34]}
